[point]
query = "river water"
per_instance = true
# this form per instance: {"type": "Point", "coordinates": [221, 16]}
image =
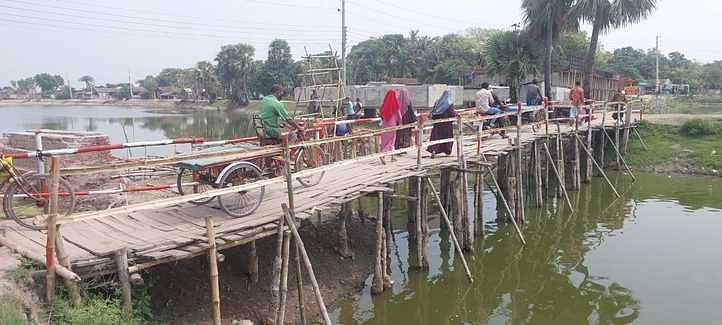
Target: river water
{"type": "Point", "coordinates": [651, 257]}
{"type": "Point", "coordinates": [130, 124]}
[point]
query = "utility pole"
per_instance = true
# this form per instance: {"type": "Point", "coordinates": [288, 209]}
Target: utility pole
{"type": "Point", "coordinates": [657, 65]}
{"type": "Point", "coordinates": [344, 30]}
{"type": "Point", "coordinates": [130, 86]}
{"type": "Point", "coordinates": [70, 88]}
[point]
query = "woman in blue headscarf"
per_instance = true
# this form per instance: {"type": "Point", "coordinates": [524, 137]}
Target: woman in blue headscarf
{"type": "Point", "coordinates": [443, 109]}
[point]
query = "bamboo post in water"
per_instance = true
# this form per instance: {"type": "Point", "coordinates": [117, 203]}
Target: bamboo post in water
{"type": "Point", "coordinates": [621, 158]}
{"type": "Point", "coordinates": [627, 126]}
{"type": "Point", "coordinates": [479, 203]}
{"type": "Point", "coordinates": [616, 133]}
{"type": "Point", "coordinates": [518, 170]}
{"type": "Point", "coordinates": [453, 237]}
{"type": "Point", "coordinates": [468, 229]}
{"type": "Point", "coordinates": [588, 169]}
{"type": "Point", "coordinates": [213, 272]}
{"type": "Point", "coordinates": [378, 281]}
{"type": "Point", "coordinates": [344, 216]}
{"type": "Point", "coordinates": [500, 194]}
{"type": "Point", "coordinates": [598, 167]}
{"type": "Point", "coordinates": [52, 229]}
{"type": "Point", "coordinates": [309, 268]}
{"type": "Point", "coordinates": [121, 262]}
{"type": "Point", "coordinates": [560, 160]}
{"type": "Point", "coordinates": [576, 170]}
{"type": "Point", "coordinates": [602, 159]}
{"type": "Point", "coordinates": [538, 176]}
{"type": "Point", "coordinates": [419, 223]}
{"type": "Point", "coordinates": [559, 177]}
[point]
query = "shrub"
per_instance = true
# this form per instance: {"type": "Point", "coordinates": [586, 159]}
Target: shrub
{"type": "Point", "coordinates": [699, 127]}
{"type": "Point", "coordinates": [11, 312]}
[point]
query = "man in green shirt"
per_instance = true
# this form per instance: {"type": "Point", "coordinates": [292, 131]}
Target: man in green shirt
{"type": "Point", "coordinates": [272, 110]}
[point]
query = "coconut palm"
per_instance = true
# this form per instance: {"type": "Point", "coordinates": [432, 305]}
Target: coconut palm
{"type": "Point", "coordinates": [89, 82]}
{"type": "Point", "coordinates": [605, 15]}
{"type": "Point", "coordinates": [548, 18]}
{"type": "Point", "coordinates": [513, 56]}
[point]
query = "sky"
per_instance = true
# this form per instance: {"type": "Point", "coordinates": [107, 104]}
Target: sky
{"type": "Point", "coordinates": [111, 40]}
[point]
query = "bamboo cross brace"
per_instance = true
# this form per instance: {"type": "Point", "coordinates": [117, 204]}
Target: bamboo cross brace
{"type": "Point", "coordinates": [451, 230]}
{"type": "Point", "coordinates": [624, 161]}
{"type": "Point", "coordinates": [559, 177]}
{"type": "Point", "coordinates": [601, 170]}
{"type": "Point", "coordinates": [506, 203]}
{"type": "Point", "coordinates": [307, 262]}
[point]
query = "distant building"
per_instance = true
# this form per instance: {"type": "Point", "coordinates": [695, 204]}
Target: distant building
{"type": "Point", "coordinates": [8, 93]}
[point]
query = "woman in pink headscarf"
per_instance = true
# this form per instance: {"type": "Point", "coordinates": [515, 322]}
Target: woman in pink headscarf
{"type": "Point", "coordinates": [408, 116]}
{"type": "Point", "coordinates": [390, 117]}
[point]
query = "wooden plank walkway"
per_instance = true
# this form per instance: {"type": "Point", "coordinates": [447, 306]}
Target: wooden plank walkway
{"type": "Point", "coordinates": [178, 232]}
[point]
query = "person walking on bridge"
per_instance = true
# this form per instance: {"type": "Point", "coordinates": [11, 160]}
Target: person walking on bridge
{"type": "Point", "coordinates": [390, 117]}
{"type": "Point", "coordinates": [443, 109]}
{"type": "Point", "coordinates": [408, 116]}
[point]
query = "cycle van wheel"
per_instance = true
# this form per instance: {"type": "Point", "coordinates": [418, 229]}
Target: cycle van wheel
{"type": "Point", "coordinates": [186, 176]}
{"type": "Point", "coordinates": [243, 203]}
{"type": "Point", "coordinates": [27, 204]}
{"type": "Point", "coordinates": [308, 158]}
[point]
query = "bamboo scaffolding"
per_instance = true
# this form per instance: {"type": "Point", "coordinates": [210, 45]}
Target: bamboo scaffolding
{"type": "Point", "coordinates": [559, 178]}
{"type": "Point", "coordinates": [601, 170]}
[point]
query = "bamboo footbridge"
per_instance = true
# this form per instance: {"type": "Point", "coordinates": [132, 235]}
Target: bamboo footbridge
{"type": "Point", "coordinates": [126, 240]}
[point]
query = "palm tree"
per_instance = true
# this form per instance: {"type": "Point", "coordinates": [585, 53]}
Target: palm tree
{"type": "Point", "coordinates": [512, 55]}
{"type": "Point", "coordinates": [549, 18]}
{"type": "Point", "coordinates": [89, 81]}
{"type": "Point", "coordinates": [605, 15]}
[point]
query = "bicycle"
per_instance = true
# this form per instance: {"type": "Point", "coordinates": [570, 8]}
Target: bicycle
{"type": "Point", "coordinates": [26, 198]}
{"type": "Point", "coordinates": [198, 176]}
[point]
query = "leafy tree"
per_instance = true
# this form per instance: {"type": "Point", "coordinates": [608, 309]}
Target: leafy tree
{"type": "Point", "coordinates": [450, 56]}
{"type": "Point", "coordinates": [26, 86]}
{"type": "Point", "coordinates": [48, 83]}
{"type": "Point", "coordinates": [605, 15]}
{"type": "Point", "coordinates": [712, 75]}
{"type": "Point", "coordinates": [88, 81]}
{"type": "Point", "coordinates": [512, 55]}
{"type": "Point", "coordinates": [150, 83]}
{"type": "Point", "coordinates": [549, 18]}
{"type": "Point", "coordinates": [168, 77]}
{"type": "Point", "coordinates": [235, 65]}
{"type": "Point", "coordinates": [279, 68]}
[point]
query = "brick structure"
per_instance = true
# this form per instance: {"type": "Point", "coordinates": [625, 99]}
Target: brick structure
{"type": "Point", "coordinates": [54, 139]}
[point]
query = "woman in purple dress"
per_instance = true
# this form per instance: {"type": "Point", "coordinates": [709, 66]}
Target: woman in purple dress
{"type": "Point", "coordinates": [408, 116]}
{"type": "Point", "coordinates": [443, 109]}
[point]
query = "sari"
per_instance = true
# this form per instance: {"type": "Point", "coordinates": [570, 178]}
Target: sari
{"type": "Point", "coordinates": [390, 117]}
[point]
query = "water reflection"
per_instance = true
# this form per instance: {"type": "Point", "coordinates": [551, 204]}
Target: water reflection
{"type": "Point", "coordinates": [124, 124]}
{"type": "Point", "coordinates": [576, 269]}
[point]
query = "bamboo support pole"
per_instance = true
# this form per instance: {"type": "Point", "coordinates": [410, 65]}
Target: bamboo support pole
{"type": "Point", "coordinates": [467, 224]}
{"type": "Point", "coordinates": [560, 160]}
{"type": "Point", "coordinates": [538, 176]}
{"type": "Point", "coordinates": [559, 178]}
{"type": "Point", "coordinates": [616, 134]}
{"type": "Point", "coordinates": [281, 313]}
{"type": "Point", "coordinates": [453, 236]}
{"type": "Point", "coordinates": [576, 168]}
{"type": "Point", "coordinates": [378, 281]}
{"type": "Point", "coordinates": [253, 262]}
{"type": "Point", "coordinates": [299, 285]}
{"type": "Point", "coordinates": [601, 170]}
{"type": "Point", "coordinates": [121, 262]}
{"type": "Point", "coordinates": [276, 272]}
{"type": "Point", "coordinates": [627, 125]}
{"type": "Point", "coordinates": [309, 268]}
{"type": "Point", "coordinates": [420, 242]}
{"type": "Point", "coordinates": [64, 260]}
{"type": "Point", "coordinates": [479, 203]}
{"type": "Point", "coordinates": [518, 170]}
{"type": "Point", "coordinates": [588, 169]}
{"type": "Point", "coordinates": [622, 160]}
{"type": "Point", "coordinates": [213, 272]}
{"type": "Point", "coordinates": [603, 129]}
{"type": "Point", "coordinates": [641, 141]}
{"type": "Point", "coordinates": [52, 229]}
{"type": "Point", "coordinates": [500, 194]}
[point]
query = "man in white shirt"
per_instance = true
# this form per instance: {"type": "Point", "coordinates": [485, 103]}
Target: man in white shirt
{"type": "Point", "coordinates": [484, 99]}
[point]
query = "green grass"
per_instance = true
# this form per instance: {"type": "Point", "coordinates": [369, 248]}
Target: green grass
{"type": "Point", "coordinates": [696, 147]}
{"type": "Point", "coordinates": [11, 312]}
{"type": "Point", "coordinates": [23, 271]}
{"type": "Point", "coordinates": [704, 104]}
{"type": "Point", "coordinates": [103, 309]}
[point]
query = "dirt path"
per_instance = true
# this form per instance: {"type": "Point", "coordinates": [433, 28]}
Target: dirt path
{"type": "Point", "coordinates": [679, 119]}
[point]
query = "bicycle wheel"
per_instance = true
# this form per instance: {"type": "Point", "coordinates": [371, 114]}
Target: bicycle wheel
{"type": "Point", "coordinates": [307, 158]}
{"type": "Point", "coordinates": [27, 202]}
{"type": "Point", "coordinates": [243, 203]}
{"type": "Point", "coordinates": [186, 176]}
